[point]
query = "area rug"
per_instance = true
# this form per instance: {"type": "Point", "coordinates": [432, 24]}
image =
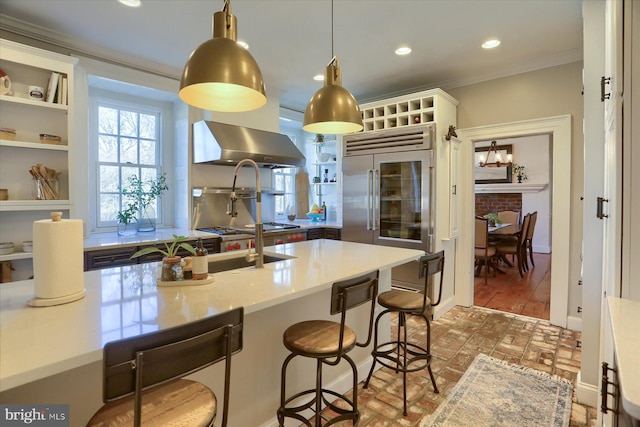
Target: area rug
{"type": "Point", "coordinates": [493, 393]}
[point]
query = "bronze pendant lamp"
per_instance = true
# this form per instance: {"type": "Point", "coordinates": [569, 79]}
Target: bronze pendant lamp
{"type": "Point", "coordinates": [221, 75]}
{"type": "Point", "coordinates": [332, 109]}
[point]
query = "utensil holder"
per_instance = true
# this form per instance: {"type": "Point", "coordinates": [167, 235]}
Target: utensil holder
{"type": "Point", "coordinates": [46, 189]}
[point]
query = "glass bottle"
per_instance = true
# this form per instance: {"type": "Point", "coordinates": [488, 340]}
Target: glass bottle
{"type": "Point", "coordinates": [199, 265]}
{"type": "Point", "coordinates": [324, 211]}
{"type": "Point", "coordinates": [326, 175]}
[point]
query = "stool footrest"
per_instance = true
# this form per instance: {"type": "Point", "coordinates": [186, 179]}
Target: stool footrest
{"type": "Point", "coordinates": [401, 363]}
{"type": "Point", "coordinates": [294, 412]}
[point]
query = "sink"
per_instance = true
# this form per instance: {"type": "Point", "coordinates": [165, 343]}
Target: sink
{"type": "Point", "coordinates": [225, 264]}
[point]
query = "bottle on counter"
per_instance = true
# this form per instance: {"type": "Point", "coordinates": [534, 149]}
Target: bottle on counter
{"type": "Point", "coordinates": [324, 211]}
{"type": "Point", "coordinates": [187, 268]}
{"type": "Point", "coordinates": [199, 264]}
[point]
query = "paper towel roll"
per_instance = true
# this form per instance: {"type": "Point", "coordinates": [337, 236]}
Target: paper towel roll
{"type": "Point", "coordinates": [58, 258]}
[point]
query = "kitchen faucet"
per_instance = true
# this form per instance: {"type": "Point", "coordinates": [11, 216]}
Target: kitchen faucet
{"type": "Point", "coordinates": [258, 256]}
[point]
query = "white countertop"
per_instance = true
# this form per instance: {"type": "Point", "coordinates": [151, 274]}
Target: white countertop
{"type": "Point", "coordinates": [623, 314]}
{"type": "Point", "coordinates": [121, 302]}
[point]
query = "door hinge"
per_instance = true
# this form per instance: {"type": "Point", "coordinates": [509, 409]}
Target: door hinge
{"type": "Point", "coordinates": [580, 282]}
{"type": "Point", "coordinates": [579, 309]}
{"type": "Point", "coordinates": [599, 208]}
{"type": "Point", "coordinates": [604, 81]}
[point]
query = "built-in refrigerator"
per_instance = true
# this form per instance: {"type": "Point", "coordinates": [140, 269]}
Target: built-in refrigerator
{"type": "Point", "coordinates": [387, 193]}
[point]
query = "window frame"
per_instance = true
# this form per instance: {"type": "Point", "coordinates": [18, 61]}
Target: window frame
{"type": "Point", "coordinates": [163, 110]}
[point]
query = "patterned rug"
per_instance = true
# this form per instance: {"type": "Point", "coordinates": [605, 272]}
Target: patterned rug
{"type": "Point", "coordinates": [494, 393]}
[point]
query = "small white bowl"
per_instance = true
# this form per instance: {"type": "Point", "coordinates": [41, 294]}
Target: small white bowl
{"type": "Point", "coordinates": [6, 248]}
{"type": "Point", "coordinates": [27, 246]}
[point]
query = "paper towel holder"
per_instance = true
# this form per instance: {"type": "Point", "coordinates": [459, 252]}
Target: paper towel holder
{"type": "Point", "coordinates": [58, 300]}
{"type": "Point", "coordinates": [48, 302]}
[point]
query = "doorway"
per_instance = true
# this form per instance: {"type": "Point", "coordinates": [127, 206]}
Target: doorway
{"type": "Point", "coordinates": [497, 190]}
{"type": "Point", "coordinates": [559, 131]}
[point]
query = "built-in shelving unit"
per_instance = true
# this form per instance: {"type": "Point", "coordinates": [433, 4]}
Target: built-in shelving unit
{"type": "Point", "coordinates": [407, 110]}
{"type": "Point", "coordinates": [28, 66]}
{"type": "Point", "coordinates": [324, 191]}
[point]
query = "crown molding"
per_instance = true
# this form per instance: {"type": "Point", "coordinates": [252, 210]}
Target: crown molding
{"type": "Point", "coordinates": [61, 43]}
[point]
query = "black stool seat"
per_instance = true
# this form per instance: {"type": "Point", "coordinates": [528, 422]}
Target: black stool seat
{"type": "Point", "coordinates": [318, 338]}
{"type": "Point", "coordinates": [328, 342]}
{"type": "Point", "coordinates": [399, 354]}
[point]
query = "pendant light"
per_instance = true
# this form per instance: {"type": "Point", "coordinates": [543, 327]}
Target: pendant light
{"type": "Point", "coordinates": [332, 109]}
{"type": "Point", "coordinates": [221, 75]}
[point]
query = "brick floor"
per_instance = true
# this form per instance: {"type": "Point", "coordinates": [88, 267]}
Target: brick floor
{"type": "Point", "coordinates": [457, 338]}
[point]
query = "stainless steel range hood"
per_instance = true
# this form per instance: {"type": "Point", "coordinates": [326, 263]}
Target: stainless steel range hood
{"type": "Point", "coordinates": [224, 144]}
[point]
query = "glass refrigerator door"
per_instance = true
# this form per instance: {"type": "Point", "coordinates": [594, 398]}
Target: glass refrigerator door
{"type": "Point", "coordinates": [403, 198]}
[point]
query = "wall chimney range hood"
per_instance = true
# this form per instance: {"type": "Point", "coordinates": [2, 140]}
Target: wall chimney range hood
{"type": "Point", "coordinates": [224, 144]}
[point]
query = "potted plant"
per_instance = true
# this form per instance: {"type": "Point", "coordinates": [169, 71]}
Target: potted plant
{"type": "Point", "coordinates": [493, 219]}
{"type": "Point", "coordinates": [520, 172]}
{"type": "Point", "coordinates": [171, 263]}
{"type": "Point", "coordinates": [141, 195]}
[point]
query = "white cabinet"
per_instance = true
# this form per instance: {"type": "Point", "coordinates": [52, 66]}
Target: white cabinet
{"type": "Point", "coordinates": [27, 66]}
{"type": "Point", "coordinates": [431, 106]}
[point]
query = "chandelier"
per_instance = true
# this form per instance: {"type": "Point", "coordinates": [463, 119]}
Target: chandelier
{"type": "Point", "coordinates": [498, 160]}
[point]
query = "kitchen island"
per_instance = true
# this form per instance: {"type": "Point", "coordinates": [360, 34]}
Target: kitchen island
{"type": "Point", "coordinates": [53, 354]}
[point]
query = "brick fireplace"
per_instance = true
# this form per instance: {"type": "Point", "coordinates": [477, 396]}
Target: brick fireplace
{"type": "Point", "coordinates": [494, 202]}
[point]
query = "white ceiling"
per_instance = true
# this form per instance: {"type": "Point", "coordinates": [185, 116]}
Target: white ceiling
{"type": "Point", "coordinates": [291, 39]}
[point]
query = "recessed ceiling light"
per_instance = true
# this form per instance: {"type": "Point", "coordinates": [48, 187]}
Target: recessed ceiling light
{"type": "Point", "coordinates": [403, 50]}
{"type": "Point", "coordinates": [318, 77]}
{"type": "Point", "coordinates": [243, 44]}
{"type": "Point", "coordinates": [131, 3]}
{"type": "Point", "coordinates": [490, 44]}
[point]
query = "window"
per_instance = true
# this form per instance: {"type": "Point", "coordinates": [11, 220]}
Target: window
{"type": "Point", "coordinates": [128, 143]}
{"type": "Point", "coordinates": [284, 180]}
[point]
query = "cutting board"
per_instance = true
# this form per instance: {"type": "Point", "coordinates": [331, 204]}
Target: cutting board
{"type": "Point", "coordinates": [302, 194]}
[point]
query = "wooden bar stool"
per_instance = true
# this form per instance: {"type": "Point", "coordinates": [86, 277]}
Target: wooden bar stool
{"type": "Point", "coordinates": [400, 355]}
{"type": "Point", "coordinates": [149, 369]}
{"type": "Point", "coordinates": [328, 342]}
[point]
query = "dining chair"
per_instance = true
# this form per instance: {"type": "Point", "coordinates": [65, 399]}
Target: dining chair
{"type": "Point", "coordinates": [484, 252]}
{"type": "Point", "coordinates": [509, 217]}
{"type": "Point", "coordinates": [528, 243]}
{"type": "Point", "coordinates": [150, 368]}
{"type": "Point", "coordinates": [516, 247]}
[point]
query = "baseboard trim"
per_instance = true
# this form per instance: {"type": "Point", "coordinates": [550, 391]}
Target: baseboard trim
{"type": "Point", "coordinates": [340, 385]}
{"type": "Point", "coordinates": [586, 394]}
{"type": "Point", "coordinates": [574, 323]}
{"type": "Point", "coordinates": [442, 308]}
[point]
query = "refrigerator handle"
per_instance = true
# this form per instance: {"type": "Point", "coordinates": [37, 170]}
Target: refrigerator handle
{"type": "Point", "coordinates": [376, 199]}
{"type": "Point", "coordinates": [369, 194]}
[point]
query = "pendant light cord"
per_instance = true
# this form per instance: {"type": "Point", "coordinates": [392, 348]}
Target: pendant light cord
{"type": "Point", "coordinates": [332, 28]}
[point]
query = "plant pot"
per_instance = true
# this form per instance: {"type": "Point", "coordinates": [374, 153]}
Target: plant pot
{"type": "Point", "coordinates": [147, 220]}
{"type": "Point", "coordinates": [128, 229]}
{"type": "Point", "coordinates": [172, 269]}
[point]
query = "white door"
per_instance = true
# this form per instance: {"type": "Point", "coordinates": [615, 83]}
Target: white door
{"type": "Point", "coordinates": [612, 173]}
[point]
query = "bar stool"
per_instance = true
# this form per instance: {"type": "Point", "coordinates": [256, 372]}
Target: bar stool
{"type": "Point", "coordinates": [150, 367]}
{"type": "Point", "coordinates": [400, 355]}
{"type": "Point", "coordinates": [328, 342]}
